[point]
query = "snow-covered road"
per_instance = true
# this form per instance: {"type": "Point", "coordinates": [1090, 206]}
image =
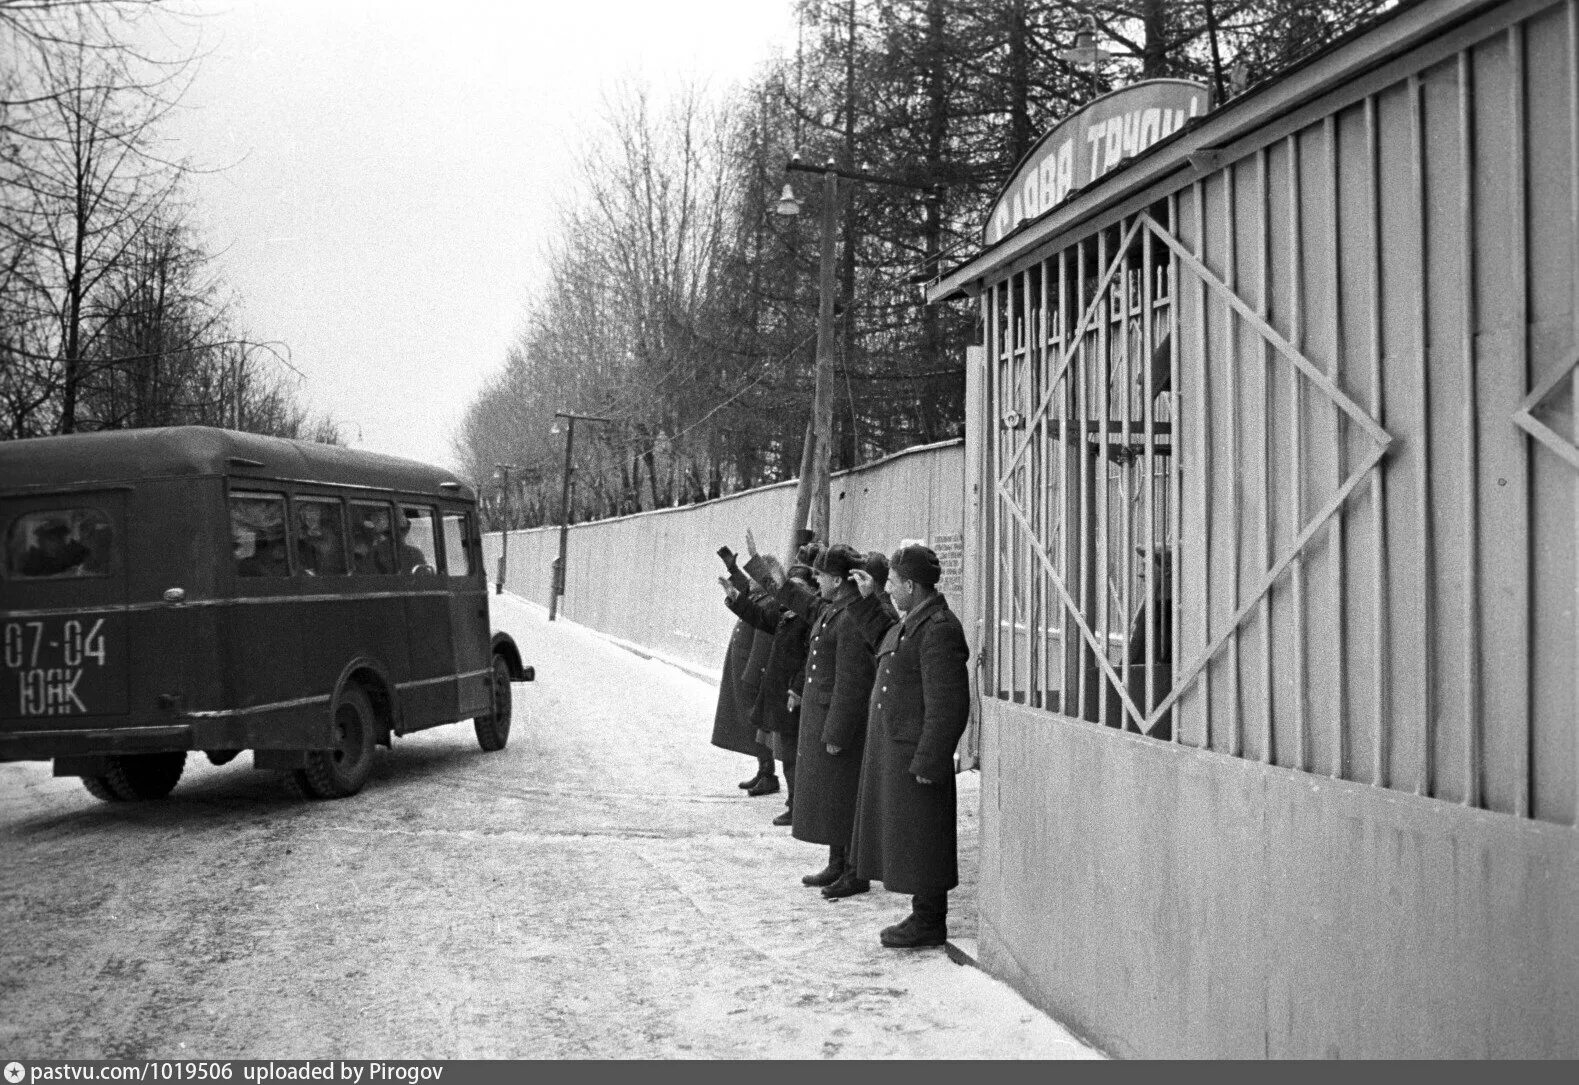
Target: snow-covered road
{"type": "Point", "coordinates": [601, 888]}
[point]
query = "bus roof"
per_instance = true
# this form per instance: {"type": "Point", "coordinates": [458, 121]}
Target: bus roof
{"type": "Point", "coordinates": [181, 451]}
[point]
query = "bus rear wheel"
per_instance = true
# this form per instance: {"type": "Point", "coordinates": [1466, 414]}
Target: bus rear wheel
{"type": "Point", "coordinates": [138, 777]}
{"type": "Point", "coordinates": [340, 772]}
{"type": "Point", "coordinates": [493, 730]}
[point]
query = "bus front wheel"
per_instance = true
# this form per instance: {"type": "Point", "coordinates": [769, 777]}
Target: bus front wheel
{"type": "Point", "coordinates": [493, 730]}
{"type": "Point", "coordinates": [341, 772]}
{"type": "Point", "coordinates": [137, 777]}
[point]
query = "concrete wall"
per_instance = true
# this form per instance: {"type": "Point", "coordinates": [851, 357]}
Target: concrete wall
{"type": "Point", "coordinates": [1166, 902]}
{"type": "Point", "coordinates": [652, 578]}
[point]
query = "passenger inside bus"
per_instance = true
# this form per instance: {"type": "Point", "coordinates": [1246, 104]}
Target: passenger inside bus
{"type": "Point", "coordinates": [413, 559]}
{"type": "Point", "coordinates": [319, 548]}
{"type": "Point", "coordinates": [370, 548]}
{"type": "Point", "coordinates": [257, 533]}
{"type": "Point", "coordinates": [267, 558]}
{"type": "Point", "coordinates": [54, 551]}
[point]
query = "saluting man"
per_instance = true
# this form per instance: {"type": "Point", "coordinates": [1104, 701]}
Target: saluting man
{"type": "Point", "coordinates": [905, 832]}
{"type": "Point", "coordinates": [733, 728]}
{"type": "Point", "coordinates": [833, 714]}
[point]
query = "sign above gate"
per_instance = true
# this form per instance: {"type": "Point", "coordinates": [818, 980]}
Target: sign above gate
{"type": "Point", "coordinates": [1086, 145]}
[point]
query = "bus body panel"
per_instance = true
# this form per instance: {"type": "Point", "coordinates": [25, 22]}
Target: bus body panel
{"type": "Point", "coordinates": [177, 649]}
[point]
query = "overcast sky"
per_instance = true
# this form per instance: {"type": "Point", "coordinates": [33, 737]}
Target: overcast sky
{"type": "Point", "coordinates": [396, 167]}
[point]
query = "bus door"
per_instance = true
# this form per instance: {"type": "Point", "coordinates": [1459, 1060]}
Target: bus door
{"type": "Point", "coordinates": [428, 690]}
{"type": "Point", "coordinates": [468, 604]}
{"type": "Point", "coordinates": [63, 620]}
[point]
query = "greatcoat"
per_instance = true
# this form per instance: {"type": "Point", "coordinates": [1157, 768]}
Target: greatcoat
{"type": "Point", "coordinates": [732, 726]}
{"type": "Point", "coordinates": [905, 832]}
{"type": "Point", "coordinates": [838, 682]}
{"type": "Point", "coordinates": [786, 662]}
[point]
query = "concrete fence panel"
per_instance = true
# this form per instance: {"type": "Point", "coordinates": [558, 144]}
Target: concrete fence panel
{"type": "Point", "coordinates": [652, 578]}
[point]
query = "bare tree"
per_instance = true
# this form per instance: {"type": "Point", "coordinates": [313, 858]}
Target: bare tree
{"type": "Point", "coordinates": [109, 316]}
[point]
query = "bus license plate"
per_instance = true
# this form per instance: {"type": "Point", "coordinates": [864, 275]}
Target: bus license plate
{"type": "Point", "coordinates": [57, 666]}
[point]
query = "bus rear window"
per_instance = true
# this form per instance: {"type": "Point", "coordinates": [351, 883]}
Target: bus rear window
{"type": "Point", "coordinates": [59, 543]}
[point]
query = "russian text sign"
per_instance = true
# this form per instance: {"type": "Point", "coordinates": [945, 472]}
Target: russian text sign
{"type": "Point", "coordinates": [1088, 144]}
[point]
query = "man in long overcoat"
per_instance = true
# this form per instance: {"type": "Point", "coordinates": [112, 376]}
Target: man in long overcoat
{"type": "Point", "coordinates": [833, 713]}
{"type": "Point", "coordinates": [776, 711]}
{"type": "Point", "coordinates": [920, 702]}
{"type": "Point", "coordinates": [875, 563]}
{"type": "Point", "coordinates": [733, 728]}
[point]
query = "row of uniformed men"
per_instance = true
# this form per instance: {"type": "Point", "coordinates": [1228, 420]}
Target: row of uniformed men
{"type": "Point", "coordinates": [850, 669]}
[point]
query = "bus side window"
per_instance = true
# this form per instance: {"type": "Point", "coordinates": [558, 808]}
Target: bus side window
{"type": "Point", "coordinates": [372, 543]}
{"type": "Point", "coordinates": [415, 541]}
{"type": "Point", "coordinates": [457, 548]}
{"type": "Point", "coordinates": [320, 536]}
{"type": "Point", "coordinates": [257, 535]}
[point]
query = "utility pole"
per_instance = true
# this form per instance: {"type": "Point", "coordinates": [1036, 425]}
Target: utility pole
{"type": "Point", "coordinates": [811, 494]}
{"type": "Point", "coordinates": [502, 472]}
{"type": "Point", "coordinates": [558, 587]}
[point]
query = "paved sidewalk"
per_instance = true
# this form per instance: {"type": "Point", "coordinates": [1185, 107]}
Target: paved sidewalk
{"type": "Point", "coordinates": [807, 976]}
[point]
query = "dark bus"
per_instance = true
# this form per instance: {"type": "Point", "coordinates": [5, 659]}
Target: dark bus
{"type": "Point", "coordinates": [170, 590]}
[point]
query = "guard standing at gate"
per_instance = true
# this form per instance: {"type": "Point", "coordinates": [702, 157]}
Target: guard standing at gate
{"type": "Point", "coordinates": [920, 703]}
{"type": "Point", "coordinates": [839, 674]}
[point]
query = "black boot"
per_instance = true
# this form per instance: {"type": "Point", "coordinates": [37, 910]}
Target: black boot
{"type": "Point", "coordinates": [926, 925]}
{"type": "Point", "coordinates": [830, 873]}
{"type": "Point", "coordinates": [765, 785]}
{"type": "Point", "coordinates": [788, 816]}
{"type": "Point", "coordinates": [848, 885]}
{"type": "Point", "coordinates": [764, 768]}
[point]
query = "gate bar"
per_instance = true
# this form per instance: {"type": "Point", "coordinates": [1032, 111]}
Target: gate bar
{"type": "Point", "coordinates": [1471, 660]}
{"type": "Point", "coordinates": [1296, 337]}
{"type": "Point", "coordinates": [1380, 638]}
{"type": "Point", "coordinates": [1340, 733]}
{"type": "Point", "coordinates": [1424, 781]}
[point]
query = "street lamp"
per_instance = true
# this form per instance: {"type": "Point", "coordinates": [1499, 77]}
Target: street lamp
{"type": "Point", "coordinates": [501, 471]}
{"type": "Point", "coordinates": [814, 483]}
{"type": "Point", "coordinates": [558, 587]}
{"type": "Point", "coordinates": [1086, 51]}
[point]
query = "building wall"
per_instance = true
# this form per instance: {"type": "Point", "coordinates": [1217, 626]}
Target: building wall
{"type": "Point", "coordinates": [1166, 902]}
{"type": "Point", "coordinates": [1360, 836]}
{"type": "Point", "coordinates": [652, 578]}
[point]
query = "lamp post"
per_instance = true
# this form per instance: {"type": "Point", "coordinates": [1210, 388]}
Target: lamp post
{"type": "Point", "coordinates": [1086, 51]}
{"type": "Point", "coordinates": [558, 587]}
{"type": "Point", "coordinates": [501, 471]}
{"type": "Point", "coordinates": [814, 483]}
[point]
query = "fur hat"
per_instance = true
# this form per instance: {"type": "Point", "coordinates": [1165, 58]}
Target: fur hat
{"type": "Point", "coordinates": [916, 561]}
{"type": "Point", "coordinates": [876, 564]}
{"type": "Point", "coordinates": [805, 561]}
{"type": "Point", "coordinates": [838, 560]}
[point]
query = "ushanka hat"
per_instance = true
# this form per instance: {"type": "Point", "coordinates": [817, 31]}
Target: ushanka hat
{"type": "Point", "coordinates": [805, 558]}
{"type": "Point", "coordinates": [915, 561]}
{"type": "Point", "coordinates": [876, 566]}
{"type": "Point", "coordinates": [838, 560]}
